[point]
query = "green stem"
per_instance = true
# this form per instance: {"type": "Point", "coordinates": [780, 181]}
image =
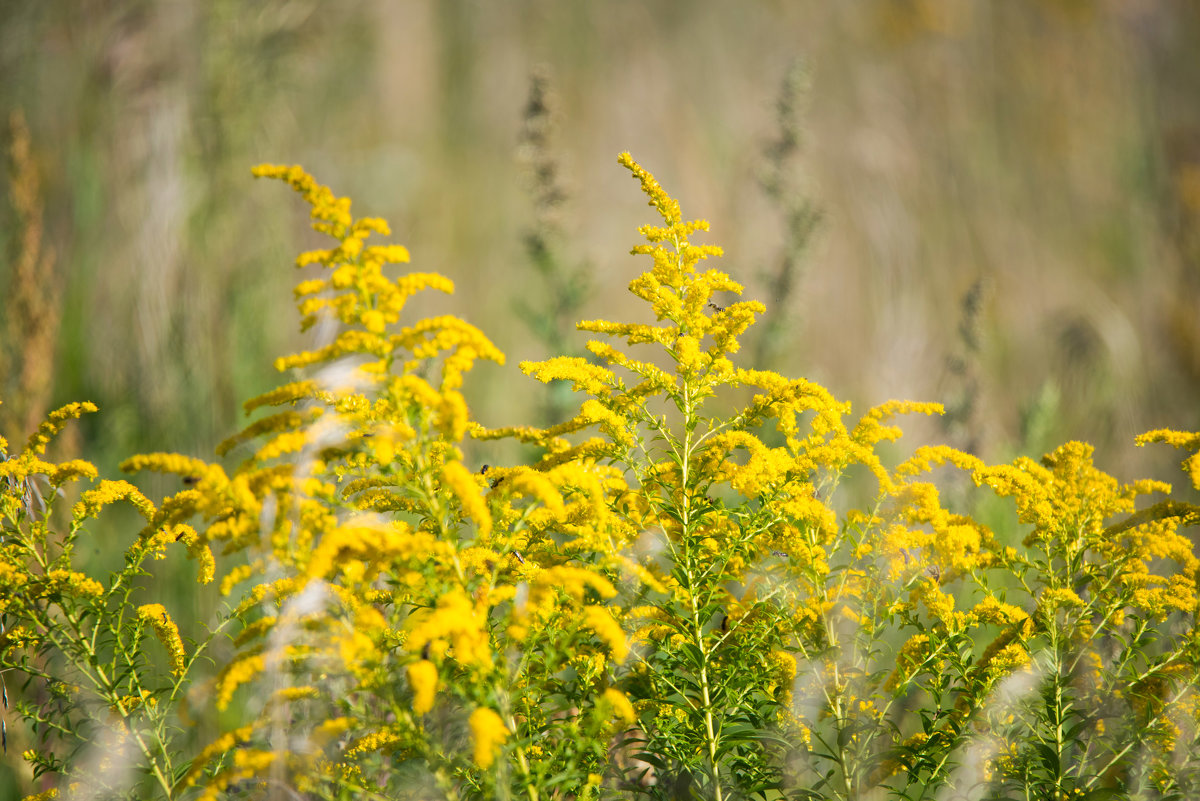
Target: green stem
{"type": "Point", "coordinates": [711, 735]}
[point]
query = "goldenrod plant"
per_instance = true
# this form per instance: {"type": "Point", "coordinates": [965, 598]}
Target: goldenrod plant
{"type": "Point", "coordinates": [709, 582]}
{"type": "Point", "coordinates": [102, 673]}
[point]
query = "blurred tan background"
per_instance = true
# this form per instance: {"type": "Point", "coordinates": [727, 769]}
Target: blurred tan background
{"type": "Point", "coordinates": [1008, 193]}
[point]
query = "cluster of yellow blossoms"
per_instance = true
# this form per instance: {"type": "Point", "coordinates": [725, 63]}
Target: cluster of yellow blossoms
{"type": "Point", "coordinates": [673, 580]}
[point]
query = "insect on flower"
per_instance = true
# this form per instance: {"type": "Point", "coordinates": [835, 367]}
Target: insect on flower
{"type": "Point", "coordinates": [494, 482]}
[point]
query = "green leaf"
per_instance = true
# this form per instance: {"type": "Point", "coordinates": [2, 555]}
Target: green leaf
{"type": "Point", "coordinates": [1049, 758]}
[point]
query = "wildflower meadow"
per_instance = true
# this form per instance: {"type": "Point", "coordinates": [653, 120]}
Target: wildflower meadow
{"type": "Point", "coordinates": [703, 581]}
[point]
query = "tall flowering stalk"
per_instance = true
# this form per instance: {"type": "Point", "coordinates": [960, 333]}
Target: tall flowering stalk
{"type": "Point", "coordinates": [404, 600]}
{"type": "Point", "coordinates": [771, 652]}
{"type": "Point", "coordinates": [737, 538]}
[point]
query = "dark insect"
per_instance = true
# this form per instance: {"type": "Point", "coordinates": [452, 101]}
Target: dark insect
{"type": "Point", "coordinates": [934, 572]}
{"type": "Point", "coordinates": [483, 472]}
{"type": "Point", "coordinates": [715, 307]}
{"type": "Point", "coordinates": [520, 558]}
{"type": "Point", "coordinates": [191, 480]}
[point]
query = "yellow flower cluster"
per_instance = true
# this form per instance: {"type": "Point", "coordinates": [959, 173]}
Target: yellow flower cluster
{"type": "Point", "coordinates": [466, 487]}
{"type": "Point", "coordinates": [72, 582]}
{"type": "Point", "coordinates": [620, 705]}
{"type": "Point", "coordinates": [573, 582]}
{"type": "Point", "coordinates": [423, 678]}
{"type": "Point", "coordinates": [488, 733]}
{"type": "Point", "coordinates": [1179, 439]}
{"type": "Point", "coordinates": [992, 610]}
{"type": "Point", "coordinates": [362, 297]}
{"type": "Point", "coordinates": [655, 517]}
{"type": "Point", "coordinates": [454, 623]}
{"type": "Point", "coordinates": [246, 764]}
{"type": "Point", "coordinates": [601, 621]}
{"type": "Point", "coordinates": [164, 628]}
{"type": "Point", "coordinates": [109, 492]}
{"type": "Point", "coordinates": [54, 423]}
{"type": "Point", "coordinates": [235, 674]}
{"type": "Point", "coordinates": [370, 546]}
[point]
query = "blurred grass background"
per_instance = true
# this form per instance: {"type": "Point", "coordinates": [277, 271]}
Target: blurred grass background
{"type": "Point", "coordinates": [1044, 154]}
{"type": "Point", "coordinates": [991, 204]}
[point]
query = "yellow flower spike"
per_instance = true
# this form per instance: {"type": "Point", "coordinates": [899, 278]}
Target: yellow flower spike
{"type": "Point", "coordinates": [226, 742]}
{"type": "Point", "coordinates": [1179, 439]}
{"type": "Point", "coordinates": [585, 376]}
{"type": "Point", "coordinates": [688, 356]}
{"type": "Point", "coordinates": [620, 705]}
{"type": "Point", "coordinates": [234, 675]}
{"type": "Point", "coordinates": [667, 206]}
{"type": "Point", "coordinates": [912, 654]}
{"type": "Point", "coordinates": [46, 795]}
{"type": "Point", "coordinates": [383, 448]}
{"type": "Point", "coordinates": [452, 417]}
{"type": "Point", "coordinates": [375, 741]}
{"type": "Point", "coordinates": [871, 429]}
{"type": "Point", "coordinates": [374, 545]}
{"type": "Point", "coordinates": [665, 301]}
{"type": "Point", "coordinates": [356, 645]}
{"type": "Point", "coordinates": [54, 423]}
{"type": "Point", "coordinates": [992, 610]}
{"type": "Point", "coordinates": [611, 423]}
{"type": "Point", "coordinates": [573, 581]}
{"type": "Point", "coordinates": [608, 630]}
{"type": "Point", "coordinates": [374, 321]}
{"type": "Point", "coordinates": [284, 395]}
{"type": "Point", "coordinates": [466, 486]}
{"type": "Point", "coordinates": [422, 678]}
{"type": "Point", "coordinates": [453, 623]}
{"type": "Point", "coordinates": [939, 604]}
{"type": "Point", "coordinates": [108, 492]}
{"type": "Point", "coordinates": [538, 485]}
{"type": "Point", "coordinates": [632, 333]}
{"type": "Point", "coordinates": [155, 615]}
{"type": "Point", "coordinates": [71, 471]}
{"type": "Point", "coordinates": [331, 213]}
{"type": "Point", "coordinates": [926, 457]}
{"type": "Point", "coordinates": [488, 733]}
{"type": "Point", "coordinates": [71, 582]}
{"type": "Point", "coordinates": [398, 254]}
{"type": "Point", "coordinates": [248, 763]}
{"type": "Point", "coordinates": [583, 475]}
{"type": "Point", "coordinates": [731, 322]}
